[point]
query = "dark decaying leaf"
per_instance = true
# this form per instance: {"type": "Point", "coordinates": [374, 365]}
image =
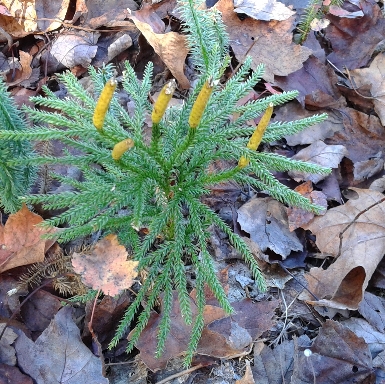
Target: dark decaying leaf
{"type": "Point", "coordinates": [337, 356]}
{"type": "Point", "coordinates": [58, 355]}
{"type": "Point", "coordinates": [354, 40]}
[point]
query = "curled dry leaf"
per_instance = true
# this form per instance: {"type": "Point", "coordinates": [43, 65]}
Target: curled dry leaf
{"type": "Point", "coordinates": [222, 337]}
{"type": "Point", "coordinates": [20, 240]}
{"type": "Point", "coordinates": [106, 267]}
{"type": "Point", "coordinates": [355, 234]}
{"type": "Point", "coordinates": [171, 47]}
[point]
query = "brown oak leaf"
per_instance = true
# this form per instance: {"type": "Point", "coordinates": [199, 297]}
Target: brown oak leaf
{"type": "Point", "coordinates": [20, 240]}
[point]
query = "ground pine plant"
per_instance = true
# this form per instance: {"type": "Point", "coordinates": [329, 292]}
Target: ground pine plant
{"type": "Point", "coordinates": [15, 179]}
{"type": "Point", "coordinates": [132, 183]}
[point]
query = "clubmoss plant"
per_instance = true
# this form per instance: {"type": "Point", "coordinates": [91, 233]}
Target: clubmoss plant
{"type": "Point", "coordinates": [316, 9]}
{"type": "Point", "coordinates": [15, 179]}
{"type": "Point", "coordinates": [131, 184]}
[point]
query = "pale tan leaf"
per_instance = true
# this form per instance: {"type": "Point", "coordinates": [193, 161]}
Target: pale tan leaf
{"type": "Point", "coordinates": [374, 76]}
{"type": "Point", "coordinates": [33, 16]}
{"type": "Point", "coordinates": [24, 14]}
{"type": "Point", "coordinates": [171, 47]}
{"type": "Point", "coordinates": [52, 11]}
{"type": "Point", "coordinates": [248, 377]}
{"type": "Point", "coordinates": [355, 232]}
{"type": "Point", "coordinates": [269, 42]}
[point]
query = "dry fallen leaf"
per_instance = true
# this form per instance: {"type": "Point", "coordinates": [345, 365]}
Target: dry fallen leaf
{"type": "Point", "coordinates": [105, 315]}
{"type": "Point", "coordinates": [7, 372]}
{"type": "Point", "coordinates": [374, 76]}
{"type": "Point", "coordinates": [107, 13]}
{"type": "Point", "coordinates": [372, 308]}
{"type": "Point", "coordinates": [359, 250]}
{"type": "Point", "coordinates": [7, 351]}
{"type": "Point", "coordinates": [232, 335]}
{"type": "Point", "coordinates": [363, 329]}
{"type": "Point", "coordinates": [58, 355]}
{"type": "Point", "coordinates": [222, 337]}
{"type": "Point", "coordinates": [177, 340]}
{"type": "Point", "coordinates": [106, 267]}
{"type": "Point", "coordinates": [269, 43]}
{"type": "Point", "coordinates": [314, 78]}
{"type": "Point", "coordinates": [20, 240]}
{"type": "Point", "coordinates": [75, 49]}
{"type": "Point", "coordinates": [336, 356]}
{"type": "Point", "coordinates": [33, 16]}
{"type": "Point", "coordinates": [248, 377]}
{"type": "Point", "coordinates": [39, 310]}
{"type": "Point", "coordinates": [297, 216]}
{"type": "Point", "coordinates": [321, 154]}
{"type": "Point", "coordinates": [25, 72]}
{"type": "Point", "coordinates": [265, 219]}
{"type": "Point", "coordinates": [354, 40]}
{"type": "Point", "coordinates": [171, 48]}
{"type": "Point", "coordinates": [263, 9]}
{"type": "Point", "coordinates": [294, 110]}
{"type": "Point", "coordinates": [364, 137]}
{"type": "Point", "coordinates": [340, 12]}
{"type": "Point", "coordinates": [273, 365]}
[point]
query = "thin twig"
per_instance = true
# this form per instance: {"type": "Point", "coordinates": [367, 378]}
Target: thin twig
{"type": "Point", "coordinates": [355, 88]}
{"type": "Point", "coordinates": [179, 374]}
{"type": "Point", "coordinates": [303, 286]}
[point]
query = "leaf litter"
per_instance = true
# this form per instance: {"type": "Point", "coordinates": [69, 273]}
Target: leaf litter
{"type": "Point", "coordinates": [337, 259]}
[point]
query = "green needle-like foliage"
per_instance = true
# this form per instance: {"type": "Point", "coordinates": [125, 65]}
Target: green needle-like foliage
{"type": "Point", "coordinates": [314, 10]}
{"type": "Point", "coordinates": [15, 179]}
{"type": "Point", "coordinates": [159, 185]}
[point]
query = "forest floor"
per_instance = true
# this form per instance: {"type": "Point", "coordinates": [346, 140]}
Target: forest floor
{"type": "Point", "coordinates": [322, 319]}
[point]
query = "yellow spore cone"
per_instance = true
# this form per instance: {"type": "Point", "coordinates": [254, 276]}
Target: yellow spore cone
{"type": "Point", "coordinates": [162, 101]}
{"type": "Point", "coordinates": [256, 137]}
{"type": "Point", "coordinates": [103, 103]}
